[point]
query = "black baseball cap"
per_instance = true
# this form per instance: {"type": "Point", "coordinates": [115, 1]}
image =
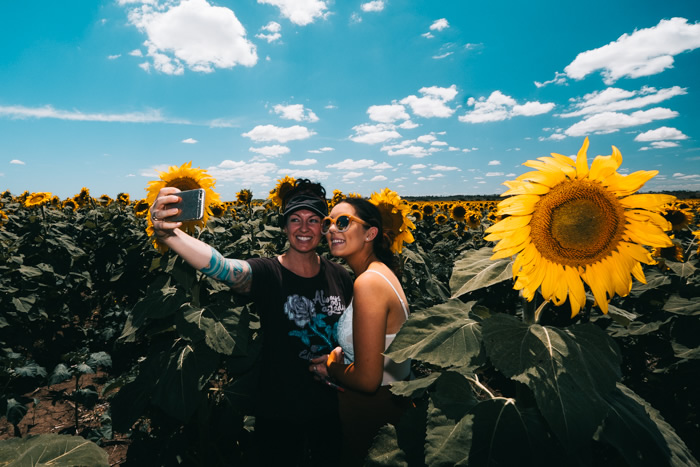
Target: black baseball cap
{"type": "Point", "coordinates": [303, 201]}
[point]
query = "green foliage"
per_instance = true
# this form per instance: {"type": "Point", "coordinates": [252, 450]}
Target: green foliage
{"type": "Point", "coordinates": [52, 449]}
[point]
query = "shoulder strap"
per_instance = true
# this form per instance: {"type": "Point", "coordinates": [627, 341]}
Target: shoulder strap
{"type": "Point", "coordinates": [403, 305]}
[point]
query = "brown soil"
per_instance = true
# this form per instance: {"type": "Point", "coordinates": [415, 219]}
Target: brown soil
{"type": "Point", "coordinates": [58, 416]}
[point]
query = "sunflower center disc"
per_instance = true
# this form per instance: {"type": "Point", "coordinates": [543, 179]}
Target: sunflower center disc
{"type": "Point", "coordinates": [577, 223]}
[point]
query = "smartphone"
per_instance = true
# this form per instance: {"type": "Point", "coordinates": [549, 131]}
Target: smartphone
{"type": "Point", "coordinates": [191, 206]}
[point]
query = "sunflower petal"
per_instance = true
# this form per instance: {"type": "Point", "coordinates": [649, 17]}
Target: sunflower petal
{"type": "Point", "coordinates": [647, 201]}
{"type": "Point", "coordinates": [623, 185]}
{"type": "Point", "coordinates": [520, 205]}
{"type": "Point", "coordinates": [647, 234]}
{"type": "Point", "coordinates": [602, 167]}
{"type": "Point", "coordinates": [508, 224]}
{"type": "Point", "coordinates": [517, 187]}
{"type": "Point", "coordinates": [582, 160]}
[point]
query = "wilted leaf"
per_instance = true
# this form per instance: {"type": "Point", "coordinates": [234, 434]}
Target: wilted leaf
{"type": "Point", "coordinates": [60, 374]}
{"type": "Point", "coordinates": [475, 270]}
{"type": "Point", "coordinates": [683, 306]}
{"type": "Point", "coordinates": [443, 335]}
{"type": "Point", "coordinates": [640, 434]}
{"type": "Point", "coordinates": [568, 370]}
{"type": "Point", "coordinates": [52, 450]}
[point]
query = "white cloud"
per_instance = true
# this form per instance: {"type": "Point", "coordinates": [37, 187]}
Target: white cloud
{"type": "Point", "coordinates": [664, 144]}
{"type": "Point", "coordinates": [272, 32]}
{"type": "Point", "coordinates": [350, 164]}
{"type": "Point", "coordinates": [375, 5]}
{"type": "Point", "coordinates": [445, 168]}
{"type": "Point", "coordinates": [243, 172]}
{"type": "Point", "coordinates": [275, 150]}
{"type": "Point", "coordinates": [427, 35]}
{"type": "Point", "coordinates": [441, 56]}
{"type": "Point", "coordinates": [439, 25]}
{"type": "Point", "coordinates": [433, 102]}
{"type": "Point", "coordinates": [300, 12]}
{"type": "Point", "coordinates": [418, 167]}
{"type": "Point", "coordinates": [373, 134]}
{"type": "Point", "coordinates": [387, 113]}
{"type": "Point", "coordinates": [279, 134]}
{"type": "Point", "coordinates": [660, 134]}
{"type": "Point", "coordinates": [194, 34]}
{"type": "Point", "coordinates": [426, 139]}
{"type": "Point", "coordinates": [401, 150]}
{"type": "Point", "coordinates": [304, 162]}
{"type": "Point", "coordinates": [17, 162]}
{"type": "Point", "coordinates": [295, 112]}
{"type": "Point", "coordinates": [113, 57]}
{"type": "Point", "coordinates": [498, 107]}
{"type": "Point", "coordinates": [311, 174]}
{"type": "Point", "coordinates": [190, 141]}
{"type": "Point", "coordinates": [610, 122]}
{"type": "Point", "coordinates": [645, 52]}
{"type": "Point", "coordinates": [494, 162]}
{"type": "Point", "coordinates": [136, 53]}
{"type": "Point", "coordinates": [321, 150]}
{"type": "Point", "coordinates": [494, 174]}
{"type": "Point", "coordinates": [616, 99]}
{"type": "Point", "coordinates": [20, 112]}
{"type": "Point", "coordinates": [351, 175]}
{"type": "Point", "coordinates": [382, 166]}
{"type": "Point", "coordinates": [559, 78]}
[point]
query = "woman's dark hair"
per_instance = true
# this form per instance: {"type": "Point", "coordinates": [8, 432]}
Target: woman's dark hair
{"type": "Point", "coordinates": [369, 213]}
{"type": "Point", "coordinates": [303, 186]}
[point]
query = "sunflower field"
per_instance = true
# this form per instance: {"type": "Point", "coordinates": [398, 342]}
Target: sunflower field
{"type": "Point", "coordinates": [557, 325]}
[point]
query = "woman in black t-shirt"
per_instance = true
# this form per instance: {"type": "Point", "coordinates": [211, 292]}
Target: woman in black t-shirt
{"type": "Point", "coordinates": [299, 297]}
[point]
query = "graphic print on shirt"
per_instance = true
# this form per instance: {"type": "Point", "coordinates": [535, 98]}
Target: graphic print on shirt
{"type": "Point", "coordinates": [311, 316]}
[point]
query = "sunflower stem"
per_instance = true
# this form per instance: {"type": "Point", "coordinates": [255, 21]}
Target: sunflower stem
{"type": "Point", "coordinates": [539, 311]}
{"type": "Point", "coordinates": [529, 312]}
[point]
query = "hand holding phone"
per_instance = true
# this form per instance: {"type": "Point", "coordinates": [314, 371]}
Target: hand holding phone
{"type": "Point", "coordinates": [191, 206]}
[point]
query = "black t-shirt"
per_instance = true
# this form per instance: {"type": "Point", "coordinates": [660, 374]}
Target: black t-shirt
{"type": "Point", "coordinates": [299, 319]}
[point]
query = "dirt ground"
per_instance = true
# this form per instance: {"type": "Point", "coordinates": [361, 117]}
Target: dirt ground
{"type": "Point", "coordinates": [58, 416]}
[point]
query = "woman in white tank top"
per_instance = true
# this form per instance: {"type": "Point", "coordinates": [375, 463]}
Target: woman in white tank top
{"type": "Point", "coordinates": [377, 312]}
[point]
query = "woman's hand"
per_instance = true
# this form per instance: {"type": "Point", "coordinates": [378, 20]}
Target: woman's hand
{"type": "Point", "coordinates": [160, 210]}
{"type": "Point", "coordinates": [318, 367]}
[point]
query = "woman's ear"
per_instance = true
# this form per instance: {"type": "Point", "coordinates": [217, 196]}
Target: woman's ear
{"type": "Point", "coordinates": [371, 234]}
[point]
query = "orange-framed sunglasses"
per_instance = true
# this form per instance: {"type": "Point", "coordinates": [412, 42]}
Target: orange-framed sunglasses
{"type": "Point", "coordinates": [342, 222]}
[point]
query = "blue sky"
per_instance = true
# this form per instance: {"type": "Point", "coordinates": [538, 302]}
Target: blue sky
{"type": "Point", "coordinates": [434, 97]}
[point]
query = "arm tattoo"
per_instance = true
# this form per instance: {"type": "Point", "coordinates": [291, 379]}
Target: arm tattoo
{"type": "Point", "coordinates": [234, 272]}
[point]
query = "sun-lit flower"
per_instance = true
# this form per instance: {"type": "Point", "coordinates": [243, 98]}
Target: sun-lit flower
{"type": "Point", "coordinates": [473, 219]}
{"type": "Point", "coordinates": [104, 200]}
{"type": "Point", "coordinates": [218, 209]}
{"type": "Point", "coordinates": [679, 215]}
{"type": "Point", "coordinates": [428, 209]}
{"type": "Point", "coordinates": [417, 215]}
{"type": "Point", "coordinates": [458, 212]}
{"type": "Point", "coordinates": [395, 222]}
{"type": "Point", "coordinates": [245, 196]}
{"type": "Point", "coordinates": [185, 178]}
{"type": "Point", "coordinates": [141, 208]}
{"type": "Point", "coordinates": [123, 199]}
{"type": "Point", "coordinates": [441, 218]}
{"type": "Point", "coordinates": [69, 203]}
{"type": "Point", "coordinates": [569, 224]}
{"type": "Point", "coordinates": [3, 218]}
{"type": "Point", "coordinates": [37, 199]}
{"type": "Point", "coordinates": [671, 253]}
{"type": "Point", "coordinates": [281, 189]}
{"type": "Point", "coordinates": [55, 201]}
{"type": "Point", "coordinates": [338, 197]}
{"type": "Point", "coordinates": [697, 239]}
{"type": "Point", "coordinates": [82, 199]}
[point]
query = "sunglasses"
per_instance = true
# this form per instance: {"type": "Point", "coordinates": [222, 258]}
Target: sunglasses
{"type": "Point", "coordinates": [342, 222]}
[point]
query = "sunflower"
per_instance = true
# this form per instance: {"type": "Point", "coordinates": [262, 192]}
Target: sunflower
{"type": "Point", "coordinates": [55, 201]}
{"type": "Point", "coordinates": [104, 201]}
{"type": "Point", "coordinates": [70, 204]}
{"type": "Point", "coordinates": [473, 219]}
{"type": "Point", "coordinates": [184, 178]}
{"type": "Point", "coordinates": [428, 209]}
{"type": "Point", "coordinates": [245, 196]}
{"type": "Point", "coordinates": [123, 199]}
{"type": "Point", "coordinates": [338, 196]}
{"type": "Point", "coordinates": [458, 212]}
{"type": "Point", "coordinates": [671, 253]}
{"type": "Point", "coordinates": [569, 224]}
{"type": "Point", "coordinates": [218, 209]}
{"type": "Point", "coordinates": [278, 193]}
{"type": "Point", "coordinates": [37, 199]}
{"type": "Point", "coordinates": [697, 238]}
{"type": "Point", "coordinates": [3, 218]}
{"type": "Point", "coordinates": [417, 215]}
{"type": "Point", "coordinates": [679, 215]}
{"type": "Point", "coordinates": [441, 219]}
{"type": "Point", "coordinates": [395, 221]}
{"type": "Point", "coordinates": [141, 208]}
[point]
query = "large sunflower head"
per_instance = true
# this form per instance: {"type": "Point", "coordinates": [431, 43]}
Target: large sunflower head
{"type": "Point", "coordinates": [141, 208]}
{"type": "Point", "coordinates": [185, 178]}
{"type": "Point", "coordinates": [428, 209]}
{"type": "Point", "coordinates": [278, 193]}
{"type": "Point", "coordinates": [395, 221]}
{"type": "Point", "coordinates": [568, 224]}
{"type": "Point", "coordinates": [37, 199]}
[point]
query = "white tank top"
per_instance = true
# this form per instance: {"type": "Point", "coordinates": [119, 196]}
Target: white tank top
{"type": "Point", "coordinates": [392, 371]}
